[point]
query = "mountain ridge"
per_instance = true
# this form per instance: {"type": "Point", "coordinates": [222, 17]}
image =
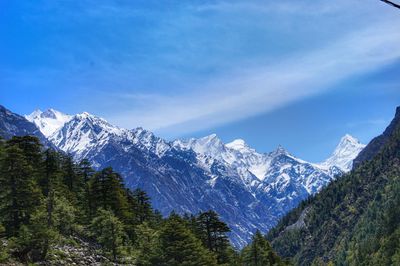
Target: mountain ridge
{"type": "Point", "coordinates": [355, 219]}
{"type": "Point", "coordinates": [12, 124]}
{"type": "Point", "coordinates": [250, 190]}
{"type": "Point", "coordinates": [378, 142]}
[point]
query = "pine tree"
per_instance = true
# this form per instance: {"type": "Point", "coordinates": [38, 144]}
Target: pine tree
{"type": "Point", "coordinates": [87, 172]}
{"type": "Point", "coordinates": [34, 239]}
{"type": "Point", "coordinates": [72, 179]}
{"type": "Point", "coordinates": [31, 150]}
{"type": "Point", "coordinates": [140, 205]}
{"type": "Point", "coordinates": [212, 231]}
{"type": "Point", "coordinates": [147, 243]}
{"type": "Point", "coordinates": [19, 194]}
{"type": "Point", "coordinates": [51, 171]}
{"type": "Point", "coordinates": [108, 192]}
{"type": "Point", "coordinates": [260, 253]}
{"type": "Point", "coordinates": [180, 247]}
{"type": "Point", "coordinates": [107, 229]}
{"type": "Point", "coordinates": [65, 216]}
{"type": "Point", "coordinates": [46, 198]}
{"type": "Point", "coordinates": [49, 181]}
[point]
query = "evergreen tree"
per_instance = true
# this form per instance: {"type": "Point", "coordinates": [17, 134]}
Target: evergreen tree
{"type": "Point", "coordinates": [49, 181]}
{"type": "Point", "coordinates": [51, 171]}
{"type": "Point", "coordinates": [148, 248]}
{"type": "Point", "coordinates": [72, 179]}
{"type": "Point", "coordinates": [47, 199]}
{"type": "Point", "coordinates": [31, 150]}
{"type": "Point", "coordinates": [65, 216]}
{"type": "Point", "coordinates": [212, 231]}
{"type": "Point", "coordinates": [108, 192]}
{"type": "Point", "coordinates": [141, 206]}
{"type": "Point", "coordinates": [260, 253]}
{"type": "Point", "coordinates": [87, 173]}
{"type": "Point", "coordinates": [34, 239]}
{"type": "Point", "coordinates": [107, 229]}
{"type": "Point", "coordinates": [19, 194]}
{"type": "Point", "coordinates": [180, 247]}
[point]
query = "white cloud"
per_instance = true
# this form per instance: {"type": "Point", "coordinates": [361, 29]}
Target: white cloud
{"type": "Point", "coordinates": [252, 91]}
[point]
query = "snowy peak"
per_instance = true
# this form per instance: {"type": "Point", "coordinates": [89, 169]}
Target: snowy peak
{"type": "Point", "coordinates": [48, 121]}
{"type": "Point", "coordinates": [211, 141]}
{"type": "Point", "coordinates": [84, 132]}
{"type": "Point", "coordinates": [280, 150]}
{"type": "Point", "coordinates": [149, 141]}
{"type": "Point", "coordinates": [33, 115]}
{"type": "Point", "coordinates": [237, 144]}
{"type": "Point", "coordinates": [240, 145]}
{"type": "Point", "coordinates": [210, 145]}
{"type": "Point", "coordinates": [344, 154]}
{"type": "Point", "coordinates": [348, 140]}
{"type": "Point", "coordinates": [97, 124]}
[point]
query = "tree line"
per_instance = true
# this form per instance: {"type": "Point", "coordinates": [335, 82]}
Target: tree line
{"type": "Point", "coordinates": [47, 199]}
{"type": "Point", "coordinates": [355, 220]}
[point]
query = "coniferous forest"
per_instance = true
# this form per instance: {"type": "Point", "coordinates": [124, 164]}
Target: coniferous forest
{"type": "Point", "coordinates": [199, 133]}
{"type": "Point", "coordinates": [353, 221]}
{"type": "Point", "coordinates": [54, 211]}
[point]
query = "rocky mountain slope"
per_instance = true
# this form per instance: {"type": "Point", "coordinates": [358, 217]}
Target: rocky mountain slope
{"type": "Point", "coordinates": [354, 220]}
{"type": "Point", "coordinates": [250, 190]}
{"type": "Point", "coordinates": [12, 124]}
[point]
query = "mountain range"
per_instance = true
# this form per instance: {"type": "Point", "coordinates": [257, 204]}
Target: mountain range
{"type": "Point", "coordinates": [355, 220]}
{"type": "Point", "coordinates": [248, 189]}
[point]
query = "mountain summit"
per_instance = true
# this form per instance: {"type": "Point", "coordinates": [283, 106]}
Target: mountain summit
{"type": "Point", "coordinates": [247, 188]}
{"type": "Point", "coordinates": [344, 154]}
{"type": "Point", "coordinates": [49, 121]}
{"type": "Point", "coordinates": [354, 220]}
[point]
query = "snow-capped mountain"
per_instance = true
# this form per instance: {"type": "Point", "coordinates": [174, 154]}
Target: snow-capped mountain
{"type": "Point", "coordinates": [259, 170]}
{"type": "Point", "coordinates": [12, 124]}
{"type": "Point", "coordinates": [250, 190]}
{"type": "Point", "coordinates": [49, 121]}
{"type": "Point", "coordinates": [344, 154]}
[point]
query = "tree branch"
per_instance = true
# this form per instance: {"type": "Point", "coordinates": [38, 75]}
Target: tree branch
{"type": "Point", "coordinates": [391, 3]}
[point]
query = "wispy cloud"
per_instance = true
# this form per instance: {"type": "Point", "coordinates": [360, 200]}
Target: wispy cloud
{"type": "Point", "coordinates": [191, 65]}
{"type": "Point", "coordinates": [276, 7]}
{"type": "Point", "coordinates": [248, 92]}
{"type": "Point", "coordinates": [371, 122]}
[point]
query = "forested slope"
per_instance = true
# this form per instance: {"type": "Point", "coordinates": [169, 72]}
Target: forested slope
{"type": "Point", "coordinates": [355, 220]}
{"type": "Point", "coordinates": [54, 211]}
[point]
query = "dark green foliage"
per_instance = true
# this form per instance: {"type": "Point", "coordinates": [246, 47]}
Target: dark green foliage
{"type": "Point", "coordinates": [87, 172]}
{"type": "Point", "coordinates": [140, 204]}
{"type": "Point", "coordinates": [72, 179]}
{"type": "Point", "coordinates": [19, 194]}
{"type": "Point", "coordinates": [179, 246]}
{"type": "Point", "coordinates": [260, 253]}
{"type": "Point", "coordinates": [107, 192]}
{"type": "Point", "coordinates": [147, 242]}
{"type": "Point", "coordinates": [354, 221]}
{"type": "Point", "coordinates": [46, 199]}
{"type": "Point", "coordinates": [108, 230]}
{"type": "Point", "coordinates": [34, 239]}
{"type": "Point", "coordinates": [212, 232]}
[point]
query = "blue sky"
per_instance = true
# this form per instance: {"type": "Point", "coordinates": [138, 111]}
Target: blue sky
{"type": "Point", "coordinates": [297, 73]}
